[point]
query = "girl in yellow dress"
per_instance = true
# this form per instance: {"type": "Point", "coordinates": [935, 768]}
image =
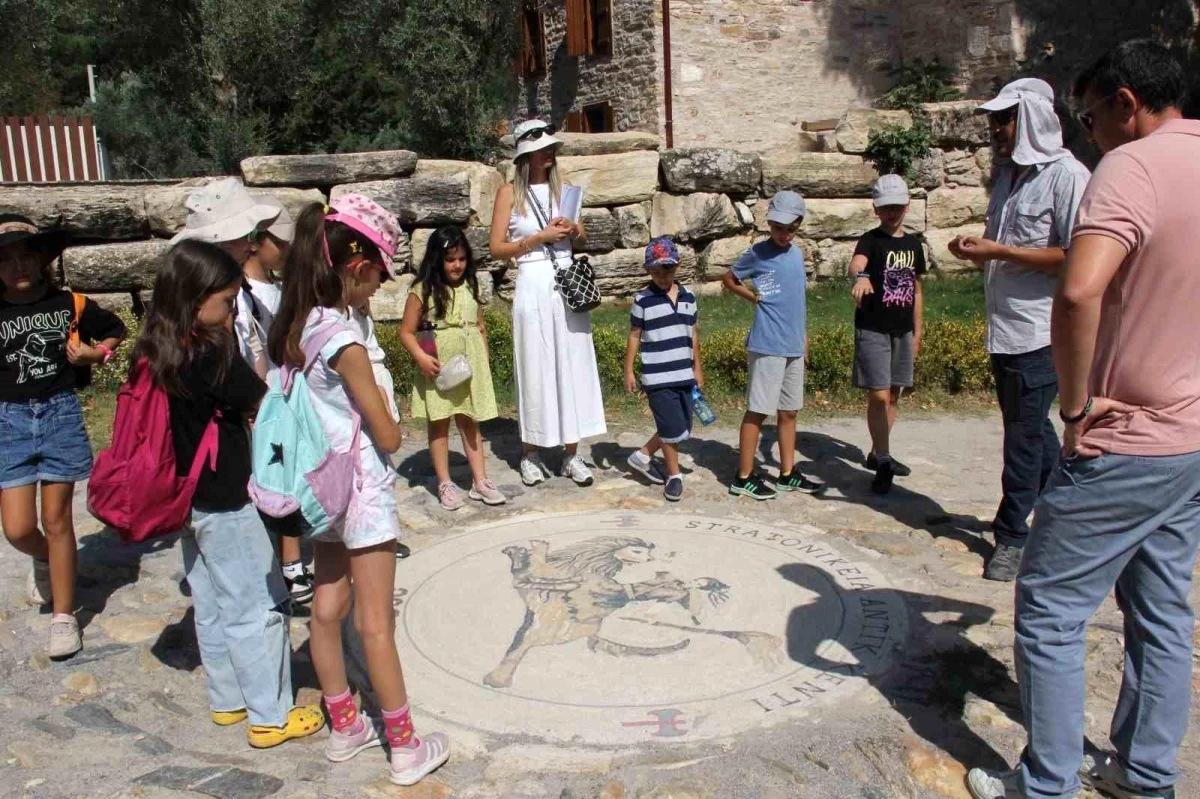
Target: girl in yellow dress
{"type": "Point", "coordinates": [442, 325]}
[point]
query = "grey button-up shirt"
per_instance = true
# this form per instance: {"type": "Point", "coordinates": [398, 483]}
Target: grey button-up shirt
{"type": "Point", "coordinates": [1034, 210]}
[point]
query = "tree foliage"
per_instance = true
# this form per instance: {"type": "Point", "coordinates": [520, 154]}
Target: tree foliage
{"type": "Point", "coordinates": [193, 86]}
{"type": "Point", "coordinates": [919, 81]}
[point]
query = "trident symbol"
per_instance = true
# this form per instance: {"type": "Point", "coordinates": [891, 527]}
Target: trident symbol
{"type": "Point", "coordinates": [668, 722]}
{"type": "Point", "coordinates": [626, 520]}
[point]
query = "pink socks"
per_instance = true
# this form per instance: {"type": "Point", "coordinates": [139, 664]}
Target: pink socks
{"type": "Point", "coordinates": [343, 715]}
{"type": "Point", "coordinates": [398, 727]}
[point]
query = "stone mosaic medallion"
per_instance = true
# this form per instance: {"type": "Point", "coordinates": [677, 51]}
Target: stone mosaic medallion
{"type": "Point", "coordinates": [617, 628]}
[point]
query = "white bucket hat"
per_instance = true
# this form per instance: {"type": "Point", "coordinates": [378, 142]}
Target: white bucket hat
{"type": "Point", "coordinates": [283, 228]}
{"type": "Point", "coordinates": [533, 135]}
{"type": "Point", "coordinates": [224, 211]}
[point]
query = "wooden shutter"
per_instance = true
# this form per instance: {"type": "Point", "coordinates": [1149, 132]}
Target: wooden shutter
{"type": "Point", "coordinates": [601, 27]}
{"type": "Point", "coordinates": [579, 25]}
{"type": "Point", "coordinates": [533, 40]}
{"type": "Point", "coordinates": [573, 123]}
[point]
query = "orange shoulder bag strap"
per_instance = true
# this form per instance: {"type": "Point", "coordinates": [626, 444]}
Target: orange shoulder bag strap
{"type": "Point", "coordinates": [80, 302]}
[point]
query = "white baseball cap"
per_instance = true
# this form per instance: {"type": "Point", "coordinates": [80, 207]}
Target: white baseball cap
{"type": "Point", "coordinates": [1010, 95]}
{"type": "Point", "coordinates": [224, 211]}
{"type": "Point", "coordinates": [890, 190]}
{"type": "Point", "coordinates": [533, 135]}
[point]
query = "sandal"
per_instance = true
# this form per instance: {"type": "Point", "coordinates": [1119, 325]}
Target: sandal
{"type": "Point", "coordinates": [301, 722]}
{"type": "Point", "coordinates": [225, 718]}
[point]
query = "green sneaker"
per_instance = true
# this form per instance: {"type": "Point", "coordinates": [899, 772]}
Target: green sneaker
{"type": "Point", "coordinates": [753, 486]}
{"type": "Point", "coordinates": [798, 482]}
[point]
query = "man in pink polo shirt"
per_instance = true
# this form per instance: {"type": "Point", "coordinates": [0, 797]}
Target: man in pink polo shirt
{"type": "Point", "coordinates": [1123, 508]}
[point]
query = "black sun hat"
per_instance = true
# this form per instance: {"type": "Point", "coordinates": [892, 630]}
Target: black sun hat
{"type": "Point", "coordinates": [15, 228]}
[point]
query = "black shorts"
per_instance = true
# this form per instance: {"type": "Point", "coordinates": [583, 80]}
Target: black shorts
{"type": "Point", "coordinates": [672, 409]}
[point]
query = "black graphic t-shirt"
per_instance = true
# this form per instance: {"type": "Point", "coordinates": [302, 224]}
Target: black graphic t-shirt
{"type": "Point", "coordinates": [894, 264]}
{"type": "Point", "coordinates": [33, 344]}
{"type": "Point", "coordinates": [236, 397]}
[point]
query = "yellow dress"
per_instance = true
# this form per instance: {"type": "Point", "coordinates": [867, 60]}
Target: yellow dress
{"type": "Point", "coordinates": [458, 333]}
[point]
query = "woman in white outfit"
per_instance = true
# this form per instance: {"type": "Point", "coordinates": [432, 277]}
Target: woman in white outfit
{"type": "Point", "coordinates": [558, 384]}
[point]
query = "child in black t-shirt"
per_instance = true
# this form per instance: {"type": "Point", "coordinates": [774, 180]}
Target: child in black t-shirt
{"type": "Point", "coordinates": [887, 266]}
{"type": "Point", "coordinates": [45, 354]}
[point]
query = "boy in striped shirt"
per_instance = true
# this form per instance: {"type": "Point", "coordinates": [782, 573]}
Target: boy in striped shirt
{"type": "Point", "coordinates": [662, 323]}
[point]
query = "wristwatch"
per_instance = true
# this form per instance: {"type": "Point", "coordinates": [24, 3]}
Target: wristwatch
{"type": "Point", "coordinates": [1087, 408]}
{"type": "Point", "coordinates": [862, 274]}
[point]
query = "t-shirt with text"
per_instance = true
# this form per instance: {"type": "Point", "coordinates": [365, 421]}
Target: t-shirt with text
{"type": "Point", "coordinates": [33, 344]}
{"type": "Point", "coordinates": [894, 263]}
{"type": "Point", "coordinates": [779, 318]}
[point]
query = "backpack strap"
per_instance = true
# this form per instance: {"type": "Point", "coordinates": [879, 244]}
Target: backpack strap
{"type": "Point", "coordinates": [207, 451]}
{"type": "Point", "coordinates": [80, 303]}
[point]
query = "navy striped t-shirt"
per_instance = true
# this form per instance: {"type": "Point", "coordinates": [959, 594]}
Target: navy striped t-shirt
{"type": "Point", "coordinates": [667, 331]}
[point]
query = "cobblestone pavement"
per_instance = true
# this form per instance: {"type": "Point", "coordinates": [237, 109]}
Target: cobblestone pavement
{"type": "Point", "coordinates": [127, 717]}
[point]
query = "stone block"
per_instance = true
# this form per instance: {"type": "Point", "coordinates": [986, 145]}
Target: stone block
{"type": "Point", "coordinates": [844, 219]}
{"type": "Point", "coordinates": [693, 217]}
{"type": "Point", "coordinates": [327, 169]}
{"type": "Point", "coordinates": [956, 207]}
{"type": "Point", "coordinates": [940, 256]}
{"type": "Point", "coordinates": [854, 128]}
{"type": "Point", "coordinates": [622, 273]}
{"type": "Point", "coordinates": [818, 174]}
{"type": "Point", "coordinates": [387, 304]}
{"type": "Point", "coordinates": [955, 124]}
{"type": "Point", "coordinates": [427, 200]}
{"type": "Point", "coordinates": [615, 179]}
{"type": "Point", "coordinates": [127, 266]}
{"type": "Point", "coordinates": [117, 303]}
{"type": "Point", "coordinates": [90, 211]}
{"type": "Point", "coordinates": [634, 224]}
{"type": "Point", "coordinates": [829, 258]}
{"type": "Point", "coordinates": [484, 182]}
{"type": "Point", "coordinates": [930, 171]}
{"type": "Point", "coordinates": [720, 254]}
{"type": "Point", "coordinates": [607, 143]}
{"type": "Point", "coordinates": [603, 230]}
{"type": "Point", "coordinates": [711, 169]}
{"type": "Point", "coordinates": [962, 169]}
{"type": "Point", "coordinates": [166, 206]}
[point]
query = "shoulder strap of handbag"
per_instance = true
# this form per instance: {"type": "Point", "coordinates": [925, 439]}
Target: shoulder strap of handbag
{"type": "Point", "coordinates": [540, 214]}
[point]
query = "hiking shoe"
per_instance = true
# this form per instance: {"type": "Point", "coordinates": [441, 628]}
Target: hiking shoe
{"type": "Point", "coordinates": [301, 588]}
{"type": "Point", "coordinates": [301, 722]}
{"type": "Point", "coordinates": [885, 473]}
{"type": "Point", "coordinates": [753, 486]}
{"type": "Point", "coordinates": [341, 746]}
{"type": "Point", "coordinates": [533, 471]}
{"type": "Point", "coordinates": [577, 470]}
{"type": "Point", "coordinates": [448, 496]}
{"type": "Point", "coordinates": [674, 489]}
{"type": "Point", "coordinates": [650, 468]}
{"type": "Point", "coordinates": [899, 468]}
{"type": "Point", "coordinates": [485, 491]}
{"type": "Point", "coordinates": [994, 785]}
{"type": "Point", "coordinates": [38, 584]}
{"type": "Point", "coordinates": [64, 636]}
{"type": "Point", "coordinates": [1004, 564]}
{"type": "Point", "coordinates": [794, 481]}
{"type": "Point", "coordinates": [410, 765]}
{"type": "Point", "coordinates": [1103, 771]}
{"type": "Point", "coordinates": [227, 718]}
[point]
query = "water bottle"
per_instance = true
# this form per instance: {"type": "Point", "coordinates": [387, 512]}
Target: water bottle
{"type": "Point", "coordinates": [700, 408]}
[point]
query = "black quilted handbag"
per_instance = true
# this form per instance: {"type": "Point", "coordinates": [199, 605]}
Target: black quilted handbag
{"type": "Point", "coordinates": [577, 282]}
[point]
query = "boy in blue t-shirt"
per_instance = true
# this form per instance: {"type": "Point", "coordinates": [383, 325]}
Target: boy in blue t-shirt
{"type": "Point", "coordinates": [778, 344]}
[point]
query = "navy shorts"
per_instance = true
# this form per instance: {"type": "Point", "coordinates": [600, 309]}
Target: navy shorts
{"type": "Point", "coordinates": [43, 441]}
{"type": "Point", "coordinates": [672, 409]}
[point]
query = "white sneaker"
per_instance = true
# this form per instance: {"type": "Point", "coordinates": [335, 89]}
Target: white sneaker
{"type": "Point", "coordinates": [577, 470]}
{"type": "Point", "coordinates": [410, 766]}
{"type": "Point", "coordinates": [533, 471]}
{"type": "Point", "coordinates": [39, 582]}
{"type": "Point", "coordinates": [64, 636]}
{"type": "Point", "coordinates": [992, 785]}
{"type": "Point", "coordinates": [485, 491]}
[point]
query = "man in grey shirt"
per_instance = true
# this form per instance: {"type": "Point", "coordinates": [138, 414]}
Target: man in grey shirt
{"type": "Point", "coordinates": [1035, 195]}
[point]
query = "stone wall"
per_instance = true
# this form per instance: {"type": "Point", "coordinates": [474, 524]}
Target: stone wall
{"type": "Point", "coordinates": [712, 201]}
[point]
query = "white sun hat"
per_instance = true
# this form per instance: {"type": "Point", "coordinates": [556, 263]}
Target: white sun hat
{"type": "Point", "coordinates": [224, 211]}
{"type": "Point", "coordinates": [283, 228]}
{"type": "Point", "coordinates": [533, 135]}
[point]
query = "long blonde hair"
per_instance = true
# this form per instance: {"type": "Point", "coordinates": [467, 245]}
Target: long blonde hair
{"type": "Point", "coordinates": [521, 184]}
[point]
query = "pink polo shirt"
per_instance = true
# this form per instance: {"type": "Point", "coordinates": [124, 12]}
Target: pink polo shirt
{"type": "Point", "coordinates": [1146, 195]}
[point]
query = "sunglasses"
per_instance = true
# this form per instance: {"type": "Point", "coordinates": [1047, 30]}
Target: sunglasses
{"type": "Point", "coordinates": [1003, 117]}
{"type": "Point", "coordinates": [1087, 116]}
{"type": "Point", "coordinates": [536, 134]}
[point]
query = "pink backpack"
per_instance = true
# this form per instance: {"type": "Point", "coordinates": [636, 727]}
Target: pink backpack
{"type": "Point", "coordinates": [134, 488]}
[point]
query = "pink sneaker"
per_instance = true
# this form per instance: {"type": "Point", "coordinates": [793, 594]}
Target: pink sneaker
{"type": "Point", "coordinates": [448, 496]}
{"type": "Point", "coordinates": [341, 746]}
{"type": "Point", "coordinates": [410, 766]}
{"type": "Point", "coordinates": [485, 491]}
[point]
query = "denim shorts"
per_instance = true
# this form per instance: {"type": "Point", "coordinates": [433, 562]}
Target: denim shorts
{"type": "Point", "coordinates": [43, 441]}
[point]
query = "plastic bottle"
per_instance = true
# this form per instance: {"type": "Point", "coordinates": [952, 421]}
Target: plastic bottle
{"type": "Point", "coordinates": [700, 408]}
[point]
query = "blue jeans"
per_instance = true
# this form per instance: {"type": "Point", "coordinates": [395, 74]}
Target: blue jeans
{"type": "Point", "coordinates": [1120, 521]}
{"type": "Point", "coordinates": [43, 441]}
{"type": "Point", "coordinates": [239, 598]}
{"type": "Point", "coordinates": [1026, 386]}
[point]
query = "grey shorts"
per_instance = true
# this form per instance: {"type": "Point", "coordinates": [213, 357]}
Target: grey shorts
{"type": "Point", "coordinates": [882, 360]}
{"type": "Point", "coordinates": [776, 384]}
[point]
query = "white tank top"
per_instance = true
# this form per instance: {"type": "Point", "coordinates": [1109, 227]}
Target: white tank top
{"type": "Point", "coordinates": [521, 226]}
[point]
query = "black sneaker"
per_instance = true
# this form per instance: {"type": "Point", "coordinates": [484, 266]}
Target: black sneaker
{"type": "Point", "coordinates": [651, 468]}
{"type": "Point", "coordinates": [402, 551]}
{"type": "Point", "coordinates": [753, 486]}
{"type": "Point", "coordinates": [1004, 564]}
{"type": "Point", "coordinates": [898, 468]}
{"type": "Point", "coordinates": [884, 474]}
{"type": "Point", "coordinates": [798, 482]}
{"type": "Point", "coordinates": [674, 488]}
{"type": "Point", "coordinates": [300, 589]}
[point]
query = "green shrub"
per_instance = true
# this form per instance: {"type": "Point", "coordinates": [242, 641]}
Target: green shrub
{"type": "Point", "coordinates": [894, 148]}
{"type": "Point", "coordinates": [920, 81]}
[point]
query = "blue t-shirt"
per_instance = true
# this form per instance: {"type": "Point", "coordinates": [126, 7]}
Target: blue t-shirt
{"type": "Point", "coordinates": [780, 319]}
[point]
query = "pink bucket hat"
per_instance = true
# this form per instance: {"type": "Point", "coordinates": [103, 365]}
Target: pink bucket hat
{"type": "Point", "coordinates": [370, 219]}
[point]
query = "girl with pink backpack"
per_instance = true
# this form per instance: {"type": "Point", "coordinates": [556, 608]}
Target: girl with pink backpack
{"type": "Point", "coordinates": [339, 256]}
